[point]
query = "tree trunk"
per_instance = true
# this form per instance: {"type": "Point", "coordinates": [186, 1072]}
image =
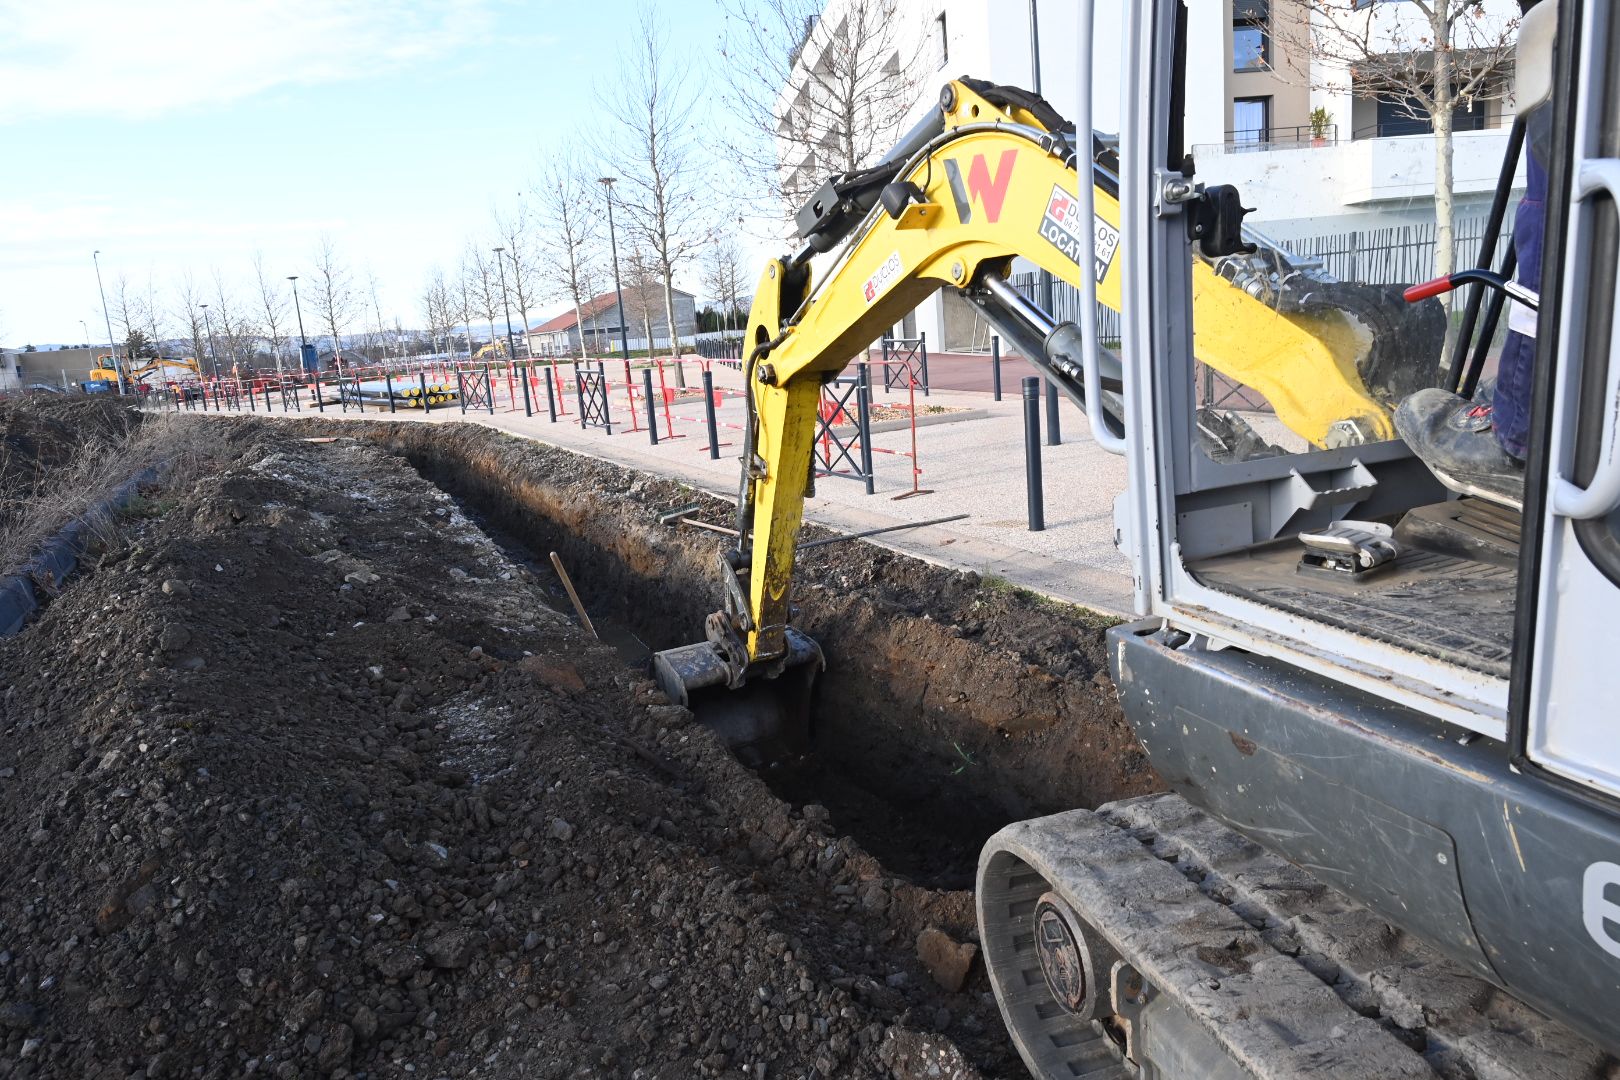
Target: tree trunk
{"type": "Point", "coordinates": [674, 336]}
{"type": "Point", "coordinates": [1441, 120]}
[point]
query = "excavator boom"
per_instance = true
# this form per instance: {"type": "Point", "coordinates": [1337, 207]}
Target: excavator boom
{"type": "Point", "coordinates": [991, 174]}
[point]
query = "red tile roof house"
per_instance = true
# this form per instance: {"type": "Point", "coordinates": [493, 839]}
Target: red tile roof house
{"type": "Point", "coordinates": [561, 336]}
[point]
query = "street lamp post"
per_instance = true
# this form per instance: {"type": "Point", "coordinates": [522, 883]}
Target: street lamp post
{"type": "Point", "coordinates": [511, 346]}
{"type": "Point", "coordinates": [213, 353]}
{"type": "Point", "coordinates": [303, 342]}
{"type": "Point", "coordinates": [95, 257]}
{"type": "Point", "coordinates": [607, 183]}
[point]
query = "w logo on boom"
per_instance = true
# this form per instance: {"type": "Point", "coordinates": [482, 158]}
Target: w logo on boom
{"type": "Point", "coordinates": [981, 187]}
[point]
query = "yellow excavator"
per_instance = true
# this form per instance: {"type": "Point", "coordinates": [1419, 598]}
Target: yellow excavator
{"type": "Point", "coordinates": [1392, 847]}
{"type": "Point", "coordinates": [167, 367]}
{"type": "Point", "coordinates": [987, 176]}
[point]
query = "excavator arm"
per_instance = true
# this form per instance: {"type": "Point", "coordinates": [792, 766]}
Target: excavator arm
{"type": "Point", "coordinates": [988, 176]}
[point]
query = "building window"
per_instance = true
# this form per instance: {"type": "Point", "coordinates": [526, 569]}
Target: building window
{"type": "Point", "coordinates": [1251, 120]}
{"type": "Point", "coordinates": [1251, 35]}
{"type": "Point", "coordinates": [944, 41]}
{"type": "Point", "coordinates": [1400, 114]}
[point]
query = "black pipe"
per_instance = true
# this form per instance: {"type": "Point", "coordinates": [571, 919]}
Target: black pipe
{"type": "Point", "coordinates": [995, 366]}
{"type": "Point", "coordinates": [1032, 453]}
{"type": "Point", "coordinates": [652, 413]}
{"type": "Point", "coordinates": [708, 416]}
{"type": "Point", "coordinates": [1499, 297]}
{"type": "Point", "coordinates": [1487, 252]}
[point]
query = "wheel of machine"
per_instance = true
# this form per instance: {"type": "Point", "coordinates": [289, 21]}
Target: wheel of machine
{"type": "Point", "coordinates": [1050, 972]}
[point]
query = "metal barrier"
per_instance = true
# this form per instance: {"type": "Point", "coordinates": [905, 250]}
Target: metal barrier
{"type": "Point", "coordinates": [591, 395]}
{"type": "Point", "coordinates": [833, 449]}
{"type": "Point", "coordinates": [905, 363]}
{"type": "Point", "coordinates": [475, 391]}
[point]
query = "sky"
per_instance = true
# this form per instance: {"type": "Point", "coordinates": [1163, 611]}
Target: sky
{"type": "Point", "coordinates": [180, 136]}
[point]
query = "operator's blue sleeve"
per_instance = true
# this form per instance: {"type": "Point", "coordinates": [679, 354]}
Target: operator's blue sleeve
{"type": "Point", "coordinates": [1511, 403]}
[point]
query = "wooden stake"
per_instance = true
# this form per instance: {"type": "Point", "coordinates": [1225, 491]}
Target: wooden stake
{"type": "Point", "coordinates": [568, 584]}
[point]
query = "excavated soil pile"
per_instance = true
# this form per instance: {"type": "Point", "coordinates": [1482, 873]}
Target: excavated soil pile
{"type": "Point", "coordinates": [42, 434]}
{"type": "Point", "coordinates": [305, 778]}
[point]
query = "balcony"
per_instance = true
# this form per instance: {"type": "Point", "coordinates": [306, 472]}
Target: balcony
{"type": "Point", "coordinates": [1260, 140]}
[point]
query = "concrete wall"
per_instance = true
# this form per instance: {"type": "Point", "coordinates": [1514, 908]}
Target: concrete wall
{"type": "Point", "coordinates": [47, 367]}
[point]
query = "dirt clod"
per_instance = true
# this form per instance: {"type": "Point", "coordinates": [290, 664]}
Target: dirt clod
{"type": "Point", "coordinates": [946, 959]}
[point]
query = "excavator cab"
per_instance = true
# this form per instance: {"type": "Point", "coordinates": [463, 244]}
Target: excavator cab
{"type": "Point", "coordinates": [1400, 692]}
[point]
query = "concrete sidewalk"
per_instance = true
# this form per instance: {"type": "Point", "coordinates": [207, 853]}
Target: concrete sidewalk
{"type": "Point", "coordinates": [975, 466]}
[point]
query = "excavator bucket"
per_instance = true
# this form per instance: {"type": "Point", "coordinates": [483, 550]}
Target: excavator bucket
{"type": "Point", "coordinates": [764, 719]}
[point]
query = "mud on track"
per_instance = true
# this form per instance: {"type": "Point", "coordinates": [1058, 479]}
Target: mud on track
{"type": "Point", "coordinates": [358, 801]}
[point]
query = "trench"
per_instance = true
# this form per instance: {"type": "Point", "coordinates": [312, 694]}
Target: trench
{"type": "Point", "coordinates": [915, 753]}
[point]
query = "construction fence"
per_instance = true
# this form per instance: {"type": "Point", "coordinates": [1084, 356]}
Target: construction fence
{"type": "Point", "coordinates": [664, 399]}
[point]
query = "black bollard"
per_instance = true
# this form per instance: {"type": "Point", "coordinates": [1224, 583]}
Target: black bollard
{"type": "Point", "coordinates": [1054, 434]}
{"type": "Point", "coordinates": [1032, 453]}
{"type": "Point", "coordinates": [528, 409]}
{"type": "Point", "coordinates": [421, 384]}
{"type": "Point", "coordinates": [863, 421]}
{"type": "Point", "coordinates": [551, 399]}
{"type": "Point", "coordinates": [461, 392]}
{"type": "Point", "coordinates": [995, 366]}
{"type": "Point", "coordinates": [922, 358]}
{"type": "Point", "coordinates": [652, 413]}
{"type": "Point", "coordinates": [708, 416]}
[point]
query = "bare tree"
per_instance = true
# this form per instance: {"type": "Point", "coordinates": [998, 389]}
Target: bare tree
{"type": "Point", "coordinates": [653, 105]}
{"type": "Point", "coordinates": [235, 329]}
{"type": "Point", "coordinates": [464, 306]}
{"type": "Point", "coordinates": [1452, 55]}
{"type": "Point", "coordinates": [193, 324]}
{"type": "Point", "coordinates": [852, 87]}
{"type": "Point", "coordinates": [274, 306]}
{"type": "Point", "coordinates": [334, 295]}
{"type": "Point", "coordinates": [436, 309]}
{"type": "Point", "coordinates": [519, 262]}
{"type": "Point", "coordinates": [723, 276]}
{"type": "Point", "coordinates": [130, 316]}
{"type": "Point", "coordinates": [642, 292]}
{"type": "Point", "coordinates": [478, 274]}
{"type": "Point", "coordinates": [569, 232]}
{"type": "Point", "coordinates": [155, 321]}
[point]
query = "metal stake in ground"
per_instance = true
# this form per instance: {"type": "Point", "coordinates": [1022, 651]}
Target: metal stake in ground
{"type": "Point", "coordinates": [568, 584]}
{"type": "Point", "coordinates": [1032, 453]}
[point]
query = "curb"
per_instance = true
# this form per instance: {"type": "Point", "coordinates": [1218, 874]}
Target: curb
{"type": "Point", "coordinates": [57, 558]}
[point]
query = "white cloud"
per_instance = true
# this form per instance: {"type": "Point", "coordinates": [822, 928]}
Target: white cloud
{"type": "Point", "coordinates": [140, 59]}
